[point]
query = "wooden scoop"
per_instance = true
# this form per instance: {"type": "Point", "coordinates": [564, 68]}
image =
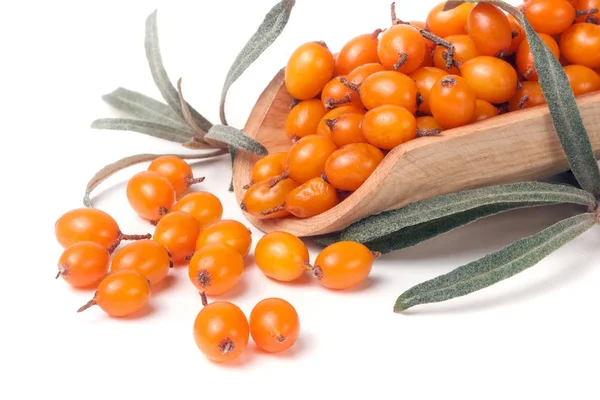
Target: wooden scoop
{"type": "Point", "coordinates": [513, 147]}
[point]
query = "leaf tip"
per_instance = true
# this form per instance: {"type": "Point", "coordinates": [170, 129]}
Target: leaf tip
{"type": "Point", "coordinates": [400, 306]}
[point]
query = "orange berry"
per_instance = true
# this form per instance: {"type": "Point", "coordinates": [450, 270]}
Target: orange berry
{"type": "Point", "coordinates": [150, 195]}
{"type": "Point", "coordinates": [86, 225]}
{"type": "Point", "coordinates": [215, 269]}
{"type": "Point", "coordinates": [401, 48]}
{"type": "Point", "coordinates": [221, 331]}
{"type": "Point", "coordinates": [490, 29]}
{"type": "Point", "coordinates": [580, 44]}
{"type": "Point", "coordinates": [343, 265]}
{"type": "Point", "coordinates": [452, 101]}
{"type": "Point", "coordinates": [389, 87]}
{"type": "Point", "coordinates": [549, 16]}
{"type": "Point", "coordinates": [204, 206]}
{"type": "Point", "coordinates": [281, 256]}
{"type": "Point", "coordinates": [229, 232]}
{"type": "Point", "coordinates": [582, 79]}
{"type": "Point", "coordinates": [148, 257]}
{"type": "Point", "coordinates": [517, 34]}
{"type": "Point", "coordinates": [177, 232]}
{"type": "Point", "coordinates": [525, 64]}
{"type": "Point", "coordinates": [264, 196]}
{"type": "Point", "coordinates": [346, 129]}
{"type": "Point", "coordinates": [429, 45]}
{"type": "Point", "coordinates": [389, 126]}
{"type": "Point", "coordinates": [587, 5]}
{"type": "Point", "coordinates": [359, 50]}
{"type": "Point", "coordinates": [324, 129]}
{"type": "Point", "coordinates": [349, 167]}
{"type": "Point", "coordinates": [464, 50]}
{"type": "Point", "coordinates": [311, 198]}
{"type": "Point", "coordinates": [306, 158]}
{"type": "Point", "coordinates": [304, 118]}
{"type": "Point", "coordinates": [484, 110]}
{"type": "Point", "coordinates": [428, 126]}
{"type": "Point", "coordinates": [528, 95]}
{"type": "Point", "coordinates": [274, 325]}
{"type": "Point", "coordinates": [337, 93]}
{"type": "Point", "coordinates": [309, 68]}
{"type": "Point", "coordinates": [358, 75]}
{"type": "Point", "coordinates": [177, 171]}
{"type": "Point", "coordinates": [452, 22]}
{"type": "Point", "coordinates": [121, 293]}
{"type": "Point", "coordinates": [83, 264]}
{"type": "Point", "coordinates": [493, 79]}
{"type": "Point", "coordinates": [425, 78]}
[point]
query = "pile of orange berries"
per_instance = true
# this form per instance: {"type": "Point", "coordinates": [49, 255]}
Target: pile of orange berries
{"type": "Point", "coordinates": [410, 80]}
{"type": "Point", "coordinates": [189, 231]}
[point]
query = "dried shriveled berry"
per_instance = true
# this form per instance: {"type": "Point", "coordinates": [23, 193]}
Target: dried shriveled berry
{"type": "Point", "coordinates": [151, 195]}
{"type": "Point", "coordinates": [308, 70]}
{"type": "Point", "coordinates": [358, 51]}
{"type": "Point", "coordinates": [464, 50]}
{"type": "Point", "coordinates": [281, 256]}
{"type": "Point", "coordinates": [493, 79]}
{"type": "Point", "coordinates": [262, 197]}
{"type": "Point", "coordinates": [177, 171]}
{"type": "Point", "coordinates": [349, 167]}
{"type": "Point", "coordinates": [549, 16]}
{"type": "Point", "coordinates": [425, 78]}
{"type": "Point", "coordinates": [229, 232]}
{"type": "Point", "coordinates": [452, 101]}
{"type": "Point", "coordinates": [177, 232]}
{"type": "Point", "coordinates": [401, 48]}
{"type": "Point", "coordinates": [580, 44]}
{"type": "Point", "coordinates": [304, 118]}
{"type": "Point", "coordinates": [451, 22]}
{"type": "Point", "coordinates": [346, 129]}
{"type": "Point", "coordinates": [274, 325]}
{"type": "Point", "coordinates": [525, 64]}
{"type": "Point", "coordinates": [83, 264]}
{"type": "Point", "coordinates": [490, 29]}
{"type": "Point", "coordinates": [582, 79]}
{"type": "Point", "coordinates": [148, 257]}
{"type": "Point", "coordinates": [528, 95]}
{"type": "Point", "coordinates": [215, 269]}
{"type": "Point", "coordinates": [311, 198]}
{"type": "Point", "coordinates": [204, 206]}
{"type": "Point", "coordinates": [389, 87]}
{"type": "Point", "coordinates": [389, 126]}
{"type": "Point", "coordinates": [324, 125]}
{"type": "Point", "coordinates": [339, 93]}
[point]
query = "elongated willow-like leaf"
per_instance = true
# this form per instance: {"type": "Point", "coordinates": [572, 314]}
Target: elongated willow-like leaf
{"type": "Point", "coordinates": [328, 239]}
{"type": "Point", "coordinates": [126, 162]}
{"type": "Point", "coordinates": [149, 128]}
{"type": "Point", "coordinates": [236, 138]}
{"type": "Point", "coordinates": [270, 29]}
{"type": "Point", "coordinates": [386, 223]}
{"type": "Point", "coordinates": [498, 266]}
{"type": "Point", "coordinates": [143, 107]}
{"type": "Point", "coordinates": [561, 103]}
{"type": "Point", "coordinates": [160, 76]}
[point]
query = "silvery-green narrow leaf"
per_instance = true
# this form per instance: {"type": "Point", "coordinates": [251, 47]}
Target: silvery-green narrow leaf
{"type": "Point", "coordinates": [327, 239]}
{"type": "Point", "coordinates": [497, 266]}
{"type": "Point", "coordinates": [149, 128]}
{"type": "Point", "coordinates": [383, 224]}
{"type": "Point", "coordinates": [498, 3]}
{"type": "Point", "coordinates": [145, 108]}
{"type": "Point", "coordinates": [126, 162]}
{"type": "Point", "coordinates": [271, 27]}
{"type": "Point", "coordinates": [236, 138]}
{"type": "Point", "coordinates": [414, 235]}
{"type": "Point", "coordinates": [160, 76]}
{"type": "Point", "coordinates": [232, 155]}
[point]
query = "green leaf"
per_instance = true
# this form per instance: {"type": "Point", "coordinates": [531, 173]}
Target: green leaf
{"type": "Point", "coordinates": [149, 128]}
{"type": "Point", "coordinates": [272, 26]}
{"type": "Point", "coordinates": [236, 138]}
{"type": "Point", "coordinates": [160, 76]}
{"type": "Point", "coordinates": [328, 239]}
{"type": "Point", "coordinates": [232, 155]}
{"type": "Point", "coordinates": [497, 266]}
{"type": "Point", "coordinates": [126, 162]}
{"type": "Point", "coordinates": [383, 224]}
{"type": "Point", "coordinates": [145, 108]}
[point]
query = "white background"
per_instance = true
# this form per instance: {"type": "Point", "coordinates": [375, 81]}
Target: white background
{"type": "Point", "coordinates": [533, 336]}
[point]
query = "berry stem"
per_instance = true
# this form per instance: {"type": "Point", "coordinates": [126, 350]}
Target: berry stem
{"type": "Point", "coordinates": [121, 237]}
{"type": "Point", "coordinates": [581, 13]}
{"type": "Point", "coordinates": [63, 270]}
{"type": "Point", "coordinates": [330, 123]}
{"type": "Point", "coordinates": [402, 58]}
{"type": "Point", "coordinates": [278, 179]}
{"type": "Point", "coordinates": [349, 84]}
{"type": "Point", "coordinates": [226, 346]}
{"type": "Point", "coordinates": [523, 100]}
{"type": "Point", "coordinates": [331, 103]}
{"type": "Point", "coordinates": [87, 305]}
{"type": "Point", "coordinates": [192, 181]}
{"type": "Point", "coordinates": [274, 210]}
{"type": "Point", "coordinates": [428, 132]}
{"type": "Point", "coordinates": [247, 186]}
{"type": "Point", "coordinates": [204, 299]}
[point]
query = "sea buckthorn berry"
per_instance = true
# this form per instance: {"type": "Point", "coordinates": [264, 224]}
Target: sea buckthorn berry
{"type": "Point", "coordinates": [221, 331]}
{"type": "Point", "coordinates": [229, 232]}
{"type": "Point", "coordinates": [304, 118]}
{"type": "Point", "coordinates": [324, 129]}
{"type": "Point", "coordinates": [204, 206]}
{"type": "Point", "coordinates": [308, 70]}
{"type": "Point", "coordinates": [517, 34]}
{"type": "Point", "coordinates": [359, 74]}
{"type": "Point", "coordinates": [429, 45]}
{"type": "Point", "coordinates": [274, 325]}
{"type": "Point", "coordinates": [83, 264]}
{"type": "Point", "coordinates": [148, 257]}
{"type": "Point", "coordinates": [452, 22]}
{"type": "Point", "coordinates": [281, 256]}
{"type": "Point", "coordinates": [216, 268]}
{"type": "Point", "coordinates": [338, 92]}
{"type": "Point", "coordinates": [464, 50]}
{"type": "Point", "coordinates": [359, 50]}
{"type": "Point", "coordinates": [121, 293]}
{"type": "Point", "coordinates": [177, 171]}
{"type": "Point", "coordinates": [270, 166]}
{"type": "Point", "coordinates": [349, 167]}
{"type": "Point", "coordinates": [528, 95]}
{"type": "Point", "coordinates": [490, 29]}
{"type": "Point", "coordinates": [343, 265]}
{"type": "Point", "coordinates": [90, 225]}
{"type": "Point", "coordinates": [425, 78]}
{"type": "Point", "coordinates": [389, 87]}
{"type": "Point", "coordinates": [484, 110]}
{"type": "Point", "coordinates": [580, 44]}
{"type": "Point", "coordinates": [401, 48]}
{"type": "Point", "coordinates": [524, 60]}
{"type": "Point", "coordinates": [346, 129]}
{"type": "Point", "coordinates": [452, 101]}
{"type": "Point", "coordinates": [306, 158]}
{"type": "Point", "coordinates": [177, 232]}
{"type": "Point", "coordinates": [427, 126]}
{"type": "Point", "coordinates": [582, 79]}
{"type": "Point", "coordinates": [493, 79]}
{"type": "Point", "coordinates": [584, 11]}
{"type": "Point", "coordinates": [262, 197]}
{"type": "Point", "coordinates": [311, 198]}
{"type": "Point", "coordinates": [549, 16]}
{"type": "Point", "coordinates": [389, 126]}
{"type": "Point", "coordinates": [150, 195]}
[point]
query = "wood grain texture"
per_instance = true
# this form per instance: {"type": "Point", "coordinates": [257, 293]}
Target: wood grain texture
{"type": "Point", "coordinates": [514, 147]}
